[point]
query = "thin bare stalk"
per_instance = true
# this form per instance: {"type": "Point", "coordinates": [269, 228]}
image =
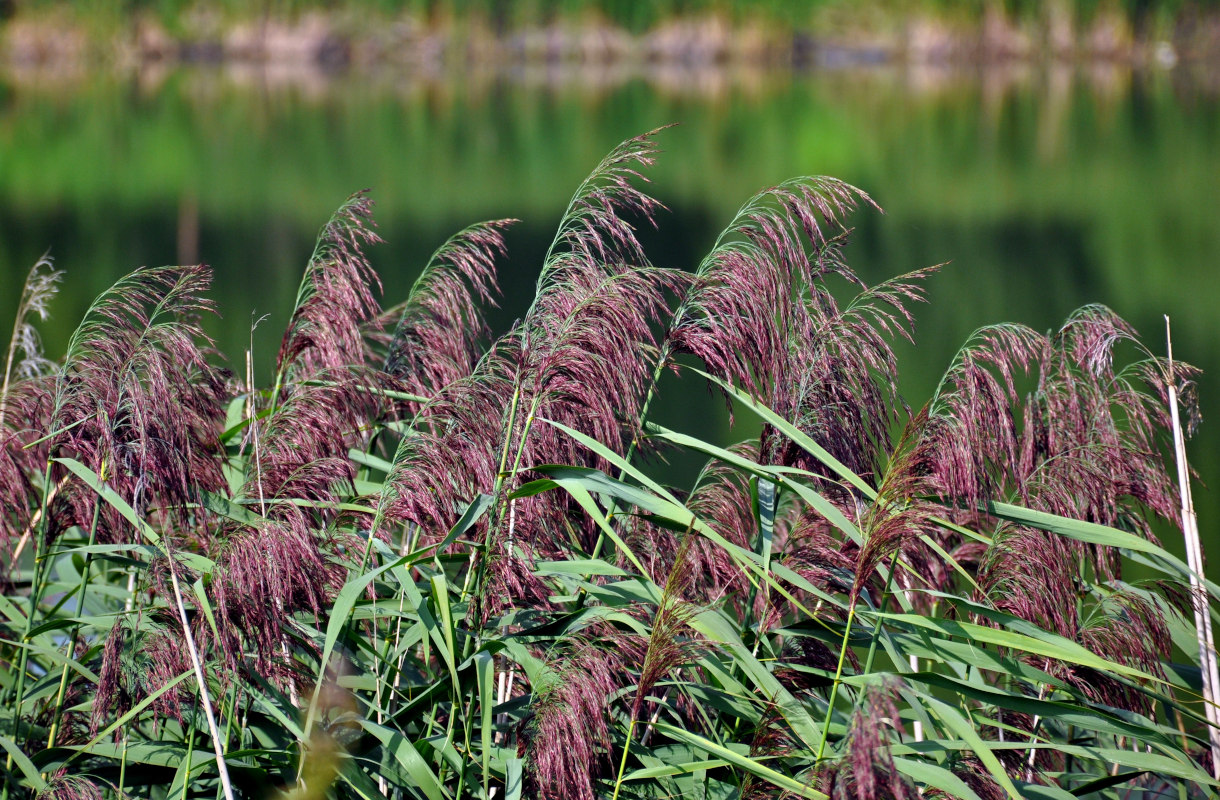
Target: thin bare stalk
{"type": "Point", "coordinates": [190, 751]}
{"type": "Point", "coordinates": [213, 728]}
{"type": "Point", "coordinates": [918, 727]}
{"type": "Point", "coordinates": [1033, 736]}
{"type": "Point", "coordinates": [504, 690]}
{"type": "Point", "coordinates": [1194, 555]}
{"type": "Point", "coordinates": [252, 415]}
{"type": "Point", "coordinates": [652, 721]}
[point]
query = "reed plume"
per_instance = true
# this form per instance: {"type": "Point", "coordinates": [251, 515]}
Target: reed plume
{"type": "Point", "coordinates": [69, 787]}
{"type": "Point", "coordinates": [722, 499]}
{"type": "Point", "coordinates": [763, 316]}
{"type": "Point", "coordinates": [579, 356]}
{"type": "Point", "coordinates": [567, 744]}
{"type": "Point", "coordinates": [738, 317]}
{"type": "Point", "coordinates": [970, 441]}
{"type": "Point", "coordinates": [438, 329]}
{"type": "Point", "coordinates": [335, 298]}
{"type": "Point", "coordinates": [137, 399]}
{"type": "Point", "coordinates": [25, 409]}
{"type": "Point", "coordinates": [324, 395]}
{"type": "Point", "coordinates": [1082, 444]}
{"type": "Point", "coordinates": [141, 655]}
{"type": "Point", "coordinates": [867, 772]}
{"type": "Point", "coordinates": [284, 563]}
{"type": "Point", "coordinates": [25, 347]}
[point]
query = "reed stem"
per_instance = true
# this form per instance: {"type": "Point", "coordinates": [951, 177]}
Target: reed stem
{"type": "Point", "coordinates": [1194, 556]}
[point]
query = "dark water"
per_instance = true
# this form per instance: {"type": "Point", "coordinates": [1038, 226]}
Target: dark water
{"type": "Point", "coordinates": [1046, 188]}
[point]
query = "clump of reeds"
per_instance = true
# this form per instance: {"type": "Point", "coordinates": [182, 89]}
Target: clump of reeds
{"type": "Point", "coordinates": [433, 560]}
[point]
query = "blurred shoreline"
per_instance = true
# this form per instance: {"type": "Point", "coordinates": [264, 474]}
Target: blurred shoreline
{"type": "Point", "coordinates": [707, 82]}
{"type": "Point", "coordinates": [339, 41]}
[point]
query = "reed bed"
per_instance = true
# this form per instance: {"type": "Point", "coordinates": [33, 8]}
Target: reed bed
{"type": "Point", "coordinates": [420, 561]}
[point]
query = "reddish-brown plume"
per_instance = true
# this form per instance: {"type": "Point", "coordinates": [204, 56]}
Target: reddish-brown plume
{"type": "Point", "coordinates": [867, 770]}
{"type": "Point", "coordinates": [438, 330]}
{"type": "Point", "coordinates": [138, 401]}
{"type": "Point", "coordinates": [567, 744]}
{"type": "Point", "coordinates": [335, 299]}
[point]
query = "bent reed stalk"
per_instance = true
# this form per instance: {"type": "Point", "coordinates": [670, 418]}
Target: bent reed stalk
{"type": "Point", "coordinates": [459, 550]}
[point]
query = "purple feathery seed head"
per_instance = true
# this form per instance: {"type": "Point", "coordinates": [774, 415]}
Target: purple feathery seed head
{"type": "Point", "coordinates": [819, 552]}
{"type": "Point", "coordinates": [567, 744]}
{"type": "Point", "coordinates": [975, 775]}
{"type": "Point", "coordinates": [672, 643]}
{"type": "Point", "coordinates": [1092, 438]}
{"type": "Point", "coordinates": [62, 786]}
{"type": "Point", "coordinates": [889, 529]}
{"type": "Point", "coordinates": [583, 356]}
{"type": "Point", "coordinates": [762, 315]}
{"type": "Point", "coordinates": [576, 357]}
{"type": "Point", "coordinates": [263, 575]}
{"type": "Point", "coordinates": [335, 299]}
{"type": "Point", "coordinates": [302, 446]}
{"type": "Point", "coordinates": [772, 739]}
{"type": "Point", "coordinates": [595, 232]}
{"type": "Point", "coordinates": [586, 360]}
{"type": "Point", "coordinates": [867, 770]}
{"type": "Point", "coordinates": [1032, 575]}
{"type": "Point", "coordinates": [970, 443]}
{"type": "Point", "coordinates": [139, 658]}
{"type": "Point", "coordinates": [511, 583]}
{"type": "Point", "coordinates": [1035, 576]}
{"type": "Point", "coordinates": [29, 403]}
{"type": "Point", "coordinates": [843, 392]}
{"type": "Point", "coordinates": [137, 400]}
{"type": "Point", "coordinates": [1084, 443]}
{"type": "Point", "coordinates": [590, 355]}
{"type": "Point", "coordinates": [587, 347]}
{"type": "Point", "coordinates": [900, 521]}
{"type": "Point", "coordinates": [25, 359]}
{"type": "Point", "coordinates": [438, 330]}
{"type": "Point", "coordinates": [738, 315]}
{"type": "Point", "coordinates": [722, 500]}
{"type": "Point", "coordinates": [453, 455]}
{"type": "Point", "coordinates": [1126, 628]}
{"type": "Point", "coordinates": [279, 566]}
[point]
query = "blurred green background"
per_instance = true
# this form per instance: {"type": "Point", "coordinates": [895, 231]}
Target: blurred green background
{"type": "Point", "coordinates": [1047, 186]}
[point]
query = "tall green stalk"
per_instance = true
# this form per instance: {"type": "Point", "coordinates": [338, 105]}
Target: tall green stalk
{"type": "Point", "coordinates": [81, 589]}
{"type": "Point", "coordinates": [838, 679]}
{"type": "Point", "coordinates": [622, 763]}
{"type": "Point", "coordinates": [36, 589]}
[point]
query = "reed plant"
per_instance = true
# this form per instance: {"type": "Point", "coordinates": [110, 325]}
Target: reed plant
{"type": "Point", "coordinates": [420, 561]}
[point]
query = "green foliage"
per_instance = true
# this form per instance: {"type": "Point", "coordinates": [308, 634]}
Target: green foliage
{"type": "Point", "coordinates": [401, 593]}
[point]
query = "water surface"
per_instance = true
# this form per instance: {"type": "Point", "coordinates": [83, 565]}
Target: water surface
{"type": "Point", "coordinates": [1046, 188]}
